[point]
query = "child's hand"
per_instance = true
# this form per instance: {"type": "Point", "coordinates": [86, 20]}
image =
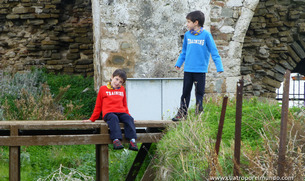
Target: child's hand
{"type": "Point", "coordinates": [177, 68]}
{"type": "Point", "coordinates": [219, 72]}
{"type": "Point", "coordinates": [87, 121]}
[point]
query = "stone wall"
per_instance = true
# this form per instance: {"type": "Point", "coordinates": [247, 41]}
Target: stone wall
{"type": "Point", "coordinates": [55, 34]}
{"type": "Point", "coordinates": [145, 37]}
{"type": "Point", "coordinates": [275, 42]}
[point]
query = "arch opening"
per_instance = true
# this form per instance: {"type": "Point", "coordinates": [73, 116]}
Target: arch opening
{"type": "Point", "coordinates": [274, 43]}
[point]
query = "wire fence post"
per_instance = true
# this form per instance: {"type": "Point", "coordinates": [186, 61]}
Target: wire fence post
{"type": "Point", "coordinates": [283, 132]}
{"type": "Point", "coordinates": [238, 118]}
{"type": "Point", "coordinates": [221, 122]}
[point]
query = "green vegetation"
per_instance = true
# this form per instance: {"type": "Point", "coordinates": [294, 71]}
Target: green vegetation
{"type": "Point", "coordinates": [81, 92]}
{"type": "Point", "coordinates": [186, 151]}
{"type": "Point", "coordinates": [38, 162]}
{"type": "Point", "coordinates": [194, 157]}
{"type": "Point", "coordinates": [37, 95]}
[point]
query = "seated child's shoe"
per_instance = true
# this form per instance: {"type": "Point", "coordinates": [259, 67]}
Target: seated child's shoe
{"type": "Point", "coordinates": [117, 145]}
{"type": "Point", "coordinates": [133, 145]}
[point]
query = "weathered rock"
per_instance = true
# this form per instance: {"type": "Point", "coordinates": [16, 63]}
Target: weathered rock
{"type": "Point", "coordinates": [73, 56]}
{"type": "Point", "coordinates": [84, 62]}
{"type": "Point", "coordinates": [39, 27]}
{"type": "Point", "coordinates": [271, 82]}
{"type": "Point", "coordinates": [13, 16]}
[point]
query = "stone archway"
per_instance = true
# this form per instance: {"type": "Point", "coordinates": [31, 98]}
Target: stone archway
{"type": "Point", "coordinates": [274, 42]}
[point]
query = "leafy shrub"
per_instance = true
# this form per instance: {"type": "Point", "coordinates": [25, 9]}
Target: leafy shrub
{"type": "Point", "coordinates": [26, 96]}
{"type": "Point", "coordinates": [14, 87]}
{"type": "Point", "coordinates": [81, 92]}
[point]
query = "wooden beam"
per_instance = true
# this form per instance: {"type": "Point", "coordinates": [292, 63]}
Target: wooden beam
{"type": "Point", "coordinates": [238, 121]}
{"type": "Point", "coordinates": [150, 173]}
{"type": "Point", "coordinates": [14, 157]}
{"type": "Point", "coordinates": [137, 163]}
{"type": "Point", "coordinates": [71, 139]}
{"type": "Point", "coordinates": [76, 124]}
{"type": "Point", "coordinates": [102, 159]}
{"type": "Point", "coordinates": [283, 131]}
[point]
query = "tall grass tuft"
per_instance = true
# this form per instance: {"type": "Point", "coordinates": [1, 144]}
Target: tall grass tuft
{"type": "Point", "coordinates": [264, 162]}
{"type": "Point", "coordinates": [187, 152]}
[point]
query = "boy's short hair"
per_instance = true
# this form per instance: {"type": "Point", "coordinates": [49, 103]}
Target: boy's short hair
{"type": "Point", "coordinates": [121, 73]}
{"type": "Point", "coordinates": [196, 15]}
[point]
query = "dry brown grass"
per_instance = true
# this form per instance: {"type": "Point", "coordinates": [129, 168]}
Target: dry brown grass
{"type": "Point", "coordinates": [264, 161]}
{"type": "Point", "coordinates": [42, 107]}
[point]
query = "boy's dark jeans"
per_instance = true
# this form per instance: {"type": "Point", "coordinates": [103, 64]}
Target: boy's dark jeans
{"type": "Point", "coordinates": [113, 120]}
{"type": "Point", "coordinates": [189, 79]}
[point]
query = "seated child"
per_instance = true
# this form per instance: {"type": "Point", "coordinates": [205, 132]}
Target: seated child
{"type": "Point", "coordinates": [111, 101]}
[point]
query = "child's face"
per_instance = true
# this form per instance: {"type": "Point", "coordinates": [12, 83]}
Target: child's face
{"type": "Point", "coordinates": [191, 25]}
{"type": "Point", "coordinates": [116, 82]}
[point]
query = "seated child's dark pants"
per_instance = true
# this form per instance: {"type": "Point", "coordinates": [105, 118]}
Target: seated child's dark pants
{"type": "Point", "coordinates": [113, 120]}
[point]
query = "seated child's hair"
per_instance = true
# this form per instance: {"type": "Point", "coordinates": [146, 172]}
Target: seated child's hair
{"type": "Point", "coordinates": [196, 15]}
{"type": "Point", "coordinates": [121, 73]}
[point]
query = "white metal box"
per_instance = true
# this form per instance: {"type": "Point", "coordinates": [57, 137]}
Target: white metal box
{"type": "Point", "coordinates": [155, 98]}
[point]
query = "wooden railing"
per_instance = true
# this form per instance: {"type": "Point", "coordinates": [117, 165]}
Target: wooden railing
{"type": "Point", "coordinates": [29, 133]}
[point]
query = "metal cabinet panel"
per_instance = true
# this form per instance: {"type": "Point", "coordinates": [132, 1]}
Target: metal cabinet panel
{"type": "Point", "coordinates": [154, 98]}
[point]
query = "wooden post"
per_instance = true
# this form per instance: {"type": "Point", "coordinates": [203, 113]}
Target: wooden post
{"type": "Point", "coordinates": [137, 163]}
{"type": "Point", "coordinates": [239, 103]}
{"type": "Point", "coordinates": [150, 173]}
{"type": "Point", "coordinates": [283, 131]}
{"type": "Point", "coordinates": [14, 157]}
{"type": "Point", "coordinates": [102, 160]}
{"type": "Point", "coordinates": [221, 122]}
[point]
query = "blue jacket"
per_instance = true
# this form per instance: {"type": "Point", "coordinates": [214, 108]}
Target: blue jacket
{"type": "Point", "coordinates": [196, 53]}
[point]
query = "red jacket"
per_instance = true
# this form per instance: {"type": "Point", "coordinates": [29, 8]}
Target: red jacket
{"type": "Point", "coordinates": [110, 100]}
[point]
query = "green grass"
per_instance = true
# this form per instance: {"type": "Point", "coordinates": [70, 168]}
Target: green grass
{"type": "Point", "coordinates": [4, 163]}
{"type": "Point", "coordinates": [41, 161]}
{"type": "Point", "coordinates": [81, 92]}
{"type": "Point", "coordinates": [187, 151]}
{"type": "Point", "coordinates": [255, 114]}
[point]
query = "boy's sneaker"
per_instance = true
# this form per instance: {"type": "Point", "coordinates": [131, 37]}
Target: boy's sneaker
{"type": "Point", "coordinates": [117, 145]}
{"type": "Point", "coordinates": [133, 146]}
{"type": "Point", "coordinates": [178, 117]}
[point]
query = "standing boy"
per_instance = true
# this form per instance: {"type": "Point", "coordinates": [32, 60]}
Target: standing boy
{"type": "Point", "coordinates": [111, 101]}
{"type": "Point", "coordinates": [197, 47]}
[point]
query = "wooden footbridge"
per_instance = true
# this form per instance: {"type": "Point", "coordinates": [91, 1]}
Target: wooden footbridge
{"type": "Point", "coordinates": [29, 133]}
